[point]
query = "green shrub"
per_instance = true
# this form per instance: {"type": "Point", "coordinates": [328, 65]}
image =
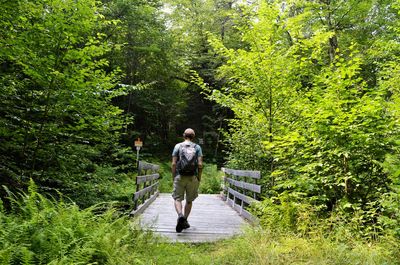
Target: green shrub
{"type": "Point", "coordinates": [103, 184]}
{"type": "Point", "coordinates": [290, 213]}
{"type": "Point", "coordinates": [287, 214]}
{"type": "Point", "coordinates": [211, 179]}
{"type": "Point", "coordinates": [39, 230]}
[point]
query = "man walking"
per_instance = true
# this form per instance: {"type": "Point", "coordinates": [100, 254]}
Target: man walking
{"type": "Point", "coordinates": [187, 166]}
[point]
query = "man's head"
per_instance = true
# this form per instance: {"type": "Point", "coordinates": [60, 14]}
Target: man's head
{"type": "Point", "coordinates": [189, 134]}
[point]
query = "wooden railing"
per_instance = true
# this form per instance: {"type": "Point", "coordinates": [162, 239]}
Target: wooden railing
{"type": "Point", "coordinates": [146, 187]}
{"type": "Point", "coordinates": [241, 189]}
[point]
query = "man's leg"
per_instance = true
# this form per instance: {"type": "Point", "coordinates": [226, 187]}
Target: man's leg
{"type": "Point", "coordinates": [188, 208]}
{"type": "Point", "coordinates": [178, 207]}
{"type": "Point", "coordinates": [191, 195]}
{"type": "Point", "coordinates": [179, 194]}
{"type": "Point", "coordinates": [180, 224]}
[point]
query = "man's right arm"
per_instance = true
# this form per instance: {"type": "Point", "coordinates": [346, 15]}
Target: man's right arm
{"type": "Point", "coordinates": [175, 154]}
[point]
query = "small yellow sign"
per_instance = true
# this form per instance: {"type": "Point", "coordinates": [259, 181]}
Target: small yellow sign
{"type": "Point", "coordinates": [138, 143]}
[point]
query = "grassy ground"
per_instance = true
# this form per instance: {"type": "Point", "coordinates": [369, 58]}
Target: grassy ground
{"type": "Point", "coordinates": [265, 247]}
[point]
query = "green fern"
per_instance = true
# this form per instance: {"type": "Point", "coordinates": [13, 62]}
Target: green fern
{"type": "Point", "coordinates": [40, 230]}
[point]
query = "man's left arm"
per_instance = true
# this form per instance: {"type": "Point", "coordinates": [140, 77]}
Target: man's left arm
{"type": "Point", "coordinates": [199, 162]}
{"type": "Point", "coordinates": [200, 167]}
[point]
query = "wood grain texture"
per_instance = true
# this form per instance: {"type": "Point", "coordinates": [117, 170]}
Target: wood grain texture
{"type": "Point", "coordinates": [143, 206]}
{"type": "Point", "coordinates": [242, 197]}
{"type": "Point", "coordinates": [243, 212]}
{"type": "Point", "coordinates": [244, 185]}
{"type": "Point", "coordinates": [144, 167]}
{"type": "Point", "coordinates": [211, 219]}
{"type": "Point", "coordinates": [150, 189]}
{"type": "Point", "coordinates": [146, 178]}
{"type": "Point", "coordinates": [242, 173]}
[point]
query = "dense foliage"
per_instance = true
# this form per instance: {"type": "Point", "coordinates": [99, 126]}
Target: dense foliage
{"type": "Point", "coordinates": [57, 120]}
{"type": "Point", "coordinates": [307, 91]}
{"type": "Point", "coordinates": [81, 80]}
{"type": "Point", "coordinates": [316, 108]}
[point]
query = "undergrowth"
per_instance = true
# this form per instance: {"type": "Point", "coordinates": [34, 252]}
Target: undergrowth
{"type": "Point", "coordinates": [268, 247]}
{"type": "Point", "coordinates": [103, 185]}
{"type": "Point", "coordinates": [41, 230]}
{"type": "Point", "coordinates": [265, 247]}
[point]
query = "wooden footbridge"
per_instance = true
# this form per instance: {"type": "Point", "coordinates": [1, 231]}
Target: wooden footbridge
{"type": "Point", "coordinates": [213, 217]}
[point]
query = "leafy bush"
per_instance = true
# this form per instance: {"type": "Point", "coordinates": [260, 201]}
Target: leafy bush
{"type": "Point", "coordinates": [390, 202]}
{"type": "Point", "coordinates": [57, 118]}
{"type": "Point", "coordinates": [43, 231]}
{"type": "Point", "coordinates": [287, 214]}
{"type": "Point", "coordinates": [102, 185]}
{"type": "Point", "coordinates": [211, 179]}
{"type": "Point", "coordinates": [315, 126]}
{"type": "Point", "coordinates": [290, 213]}
{"type": "Point", "coordinates": [38, 230]}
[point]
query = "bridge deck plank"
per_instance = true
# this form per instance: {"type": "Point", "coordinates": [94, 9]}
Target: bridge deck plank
{"type": "Point", "coordinates": [211, 219]}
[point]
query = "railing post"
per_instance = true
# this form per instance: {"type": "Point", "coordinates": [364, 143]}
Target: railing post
{"type": "Point", "coordinates": [242, 186]}
{"type": "Point", "coordinates": [135, 204]}
{"type": "Point", "coordinates": [145, 193]}
{"type": "Point", "coordinates": [254, 193]}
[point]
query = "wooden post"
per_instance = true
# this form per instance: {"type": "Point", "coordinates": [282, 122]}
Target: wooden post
{"type": "Point", "coordinates": [255, 193]}
{"type": "Point", "coordinates": [243, 188]}
{"type": "Point", "coordinates": [225, 189]}
{"type": "Point", "coordinates": [135, 204]}
{"type": "Point", "coordinates": [144, 186]}
{"type": "Point", "coordinates": [145, 194]}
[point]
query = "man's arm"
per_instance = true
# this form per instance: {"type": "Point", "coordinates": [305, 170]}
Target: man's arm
{"type": "Point", "coordinates": [200, 165]}
{"type": "Point", "coordinates": [173, 166]}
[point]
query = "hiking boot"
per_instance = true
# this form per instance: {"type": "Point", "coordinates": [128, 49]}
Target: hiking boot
{"type": "Point", "coordinates": [180, 224]}
{"type": "Point", "coordinates": [186, 224]}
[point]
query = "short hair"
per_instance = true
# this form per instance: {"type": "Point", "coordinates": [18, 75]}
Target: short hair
{"type": "Point", "coordinates": [189, 133]}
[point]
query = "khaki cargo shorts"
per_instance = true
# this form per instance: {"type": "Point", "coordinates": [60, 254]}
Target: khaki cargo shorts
{"type": "Point", "coordinates": [185, 184]}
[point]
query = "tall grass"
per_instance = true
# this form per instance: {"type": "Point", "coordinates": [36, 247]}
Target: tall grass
{"type": "Point", "coordinates": [263, 247]}
{"type": "Point", "coordinates": [211, 180]}
{"type": "Point", "coordinates": [266, 247]}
